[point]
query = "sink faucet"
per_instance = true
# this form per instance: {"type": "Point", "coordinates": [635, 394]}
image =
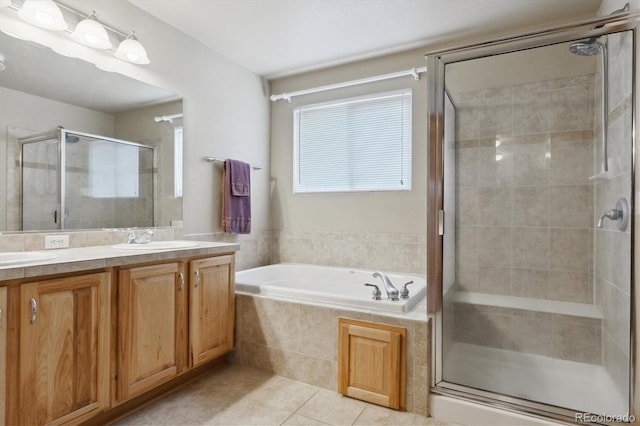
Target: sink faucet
{"type": "Point", "coordinates": [143, 238]}
{"type": "Point", "coordinates": [392, 292]}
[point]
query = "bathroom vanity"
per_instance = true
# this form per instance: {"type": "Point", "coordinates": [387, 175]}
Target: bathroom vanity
{"type": "Point", "coordinates": [97, 331]}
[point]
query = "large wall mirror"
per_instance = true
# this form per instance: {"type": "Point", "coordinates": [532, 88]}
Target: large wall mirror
{"type": "Point", "coordinates": [84, 148]}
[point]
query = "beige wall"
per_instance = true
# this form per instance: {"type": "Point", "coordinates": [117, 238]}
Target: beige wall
{"type": "Point", "coordinates": [139, 126]}
{"type": "Point", "coordinates": [377, 230]}
{"type": "Point", "coordinates": [362, 212]}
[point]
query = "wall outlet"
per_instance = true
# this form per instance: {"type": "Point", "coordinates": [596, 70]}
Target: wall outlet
{"type": "Point", "coordinates": [56, 241]}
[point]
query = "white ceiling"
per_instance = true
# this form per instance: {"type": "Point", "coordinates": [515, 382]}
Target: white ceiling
{"type": "Point", "coordinates": [274, 38]}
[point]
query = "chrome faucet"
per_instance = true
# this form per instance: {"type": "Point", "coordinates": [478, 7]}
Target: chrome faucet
{"type": "Point", "coordinates": [620, 215]}
{"type": "Point", "coordinates": [392, 292]}
{"type": "Point", "coordinates": [143, 238]}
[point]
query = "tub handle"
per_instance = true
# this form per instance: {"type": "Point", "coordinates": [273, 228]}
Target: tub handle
{"type": "Point", "coordinates": [376, 291]}
{"type": "Point", "coordinates": [404, 292]}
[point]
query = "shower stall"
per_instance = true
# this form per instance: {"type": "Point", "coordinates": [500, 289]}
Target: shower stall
{"type": "Point", "coordinates": [76, 180]}
{"type": "Point", "coordinates": [531, 213]}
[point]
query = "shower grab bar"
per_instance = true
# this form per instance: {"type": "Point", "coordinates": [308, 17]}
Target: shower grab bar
{"type": "Point", "coordinates": [211, 159]}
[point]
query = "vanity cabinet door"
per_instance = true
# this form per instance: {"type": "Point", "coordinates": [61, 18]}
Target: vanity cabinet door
{"type": "Point", "coordinates": [3, 355]}
{"type": "Point", "coordinates": [151, 327]}
{"type": "Point", "coordinates": [212, 308]}
{"type": "Point", "coordinates": [64, 349]}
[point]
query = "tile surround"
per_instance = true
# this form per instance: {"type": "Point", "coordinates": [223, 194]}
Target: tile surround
{"type": "Point", "coordinates": [529, 211]}
{"type": "Point", "coordinates": [299, 341]}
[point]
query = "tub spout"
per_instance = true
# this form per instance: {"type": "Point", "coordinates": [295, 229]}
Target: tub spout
{"type": "Point", "coordinates": [392, 292]}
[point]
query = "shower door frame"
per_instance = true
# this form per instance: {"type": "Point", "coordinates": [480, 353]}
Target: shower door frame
{"type": "Point", "coordinates": [436, 62]}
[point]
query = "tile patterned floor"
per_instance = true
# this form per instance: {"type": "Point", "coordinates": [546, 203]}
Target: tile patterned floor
{"type": "Point", "coordinates": [234, 395]}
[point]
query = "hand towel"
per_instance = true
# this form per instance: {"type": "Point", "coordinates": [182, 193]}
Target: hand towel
{"type": "Point", "coordinates": [240, 178]}
{"type": "Point", "coordinates": [236, 209]}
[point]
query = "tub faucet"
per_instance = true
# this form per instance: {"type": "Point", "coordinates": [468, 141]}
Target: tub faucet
{"type": "Point", "coordinates": [392, 292]}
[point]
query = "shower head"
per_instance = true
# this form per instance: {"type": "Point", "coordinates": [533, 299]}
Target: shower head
{"type": "Point", "coordinates": [591, 47]}
{"type": "Point", "coordinates": [71, 138]}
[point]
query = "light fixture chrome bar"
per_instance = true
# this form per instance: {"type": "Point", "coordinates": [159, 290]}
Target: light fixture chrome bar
{"type": "Point", "coordinates": [211, 159]}
{"type": "Point", "coordinates": [415, 72]}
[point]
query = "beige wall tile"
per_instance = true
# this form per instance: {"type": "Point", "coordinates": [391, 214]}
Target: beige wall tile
{"type": "Point", "coordinates": [569, 250]}
{"type": "Point", "coordinates": [530, 248]}
{"type": "Point", "coordinates": [494, 206]}
{"type": "Point", "coordinates": [494, 246]}
{"type": "Point", "coordinates": [530, 206]}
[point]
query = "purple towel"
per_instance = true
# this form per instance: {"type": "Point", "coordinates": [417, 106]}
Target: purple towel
{"type": "Point", "coordinates": [236, 209]}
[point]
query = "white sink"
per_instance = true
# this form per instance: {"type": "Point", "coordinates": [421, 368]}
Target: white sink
{"type": "Point", "coordinates": [19, 257]}
{"type": "Point", "coordinates": [158, 245]}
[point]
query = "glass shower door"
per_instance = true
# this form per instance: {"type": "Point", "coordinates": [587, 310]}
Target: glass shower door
{"type": "Point", "coordinates": [108, 182]}
{"type": "Point", "coordinates": [536, 260]}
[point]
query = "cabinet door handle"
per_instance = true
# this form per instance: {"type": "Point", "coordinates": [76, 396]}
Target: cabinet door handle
{"type": "Point", "coordinates": [34, 311]}
{"type": "Point", "coordinates": [197, 276]}
{"type": "Point", "coordinates": [1, 316]}
{"type": "Point", "coordinates": [181, 278]}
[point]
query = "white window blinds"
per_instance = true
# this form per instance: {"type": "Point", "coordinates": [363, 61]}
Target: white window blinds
{"type": "Point", "coordinates": [357, 144]}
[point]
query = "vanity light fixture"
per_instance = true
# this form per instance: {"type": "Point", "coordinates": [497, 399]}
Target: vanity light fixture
{"type": "Point", "coordinates": [50, 14]}
{"type": "Point", "coordinates": [91, 33]}
{"type": "Point", "coordinates": [44, 14]}
{"type": "Point", "coordinates": [131, 50]}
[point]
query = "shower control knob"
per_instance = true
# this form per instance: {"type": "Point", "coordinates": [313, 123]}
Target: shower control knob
{"type": "Point", "coordinates": [376, 291]}
{"type": "Point", "coordinates": [404, 292]}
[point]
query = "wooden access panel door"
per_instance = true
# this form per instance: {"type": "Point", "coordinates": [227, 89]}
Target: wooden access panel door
{"type": "Point", "coordinates": [64, 349]}
{"type": "Point", "coordinates": [151, 327]}
{"type": "Point", "coordinates": [212, 308]}
{"type": "Point", "coordinates": [371, 362]}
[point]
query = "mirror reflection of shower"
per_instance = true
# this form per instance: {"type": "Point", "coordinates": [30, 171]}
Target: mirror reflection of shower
{"type": "Point", "coordinates": [97, 181]}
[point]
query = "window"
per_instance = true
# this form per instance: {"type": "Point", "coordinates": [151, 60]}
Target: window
{"type": "Point", "coordinates": [356, 144]}
{"type": "Point", "coordinates": [113, 170]}
{"type": "Point", "coordinates": [177, 161]}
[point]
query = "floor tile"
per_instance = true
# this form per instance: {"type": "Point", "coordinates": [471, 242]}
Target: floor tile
{"type": "Point", "coordinates": [234, 395]}
{"type": "Point", "coordinates": [283, 393]}
{"type": "Point", "coordinates": [298, 420]}
{"type": "Point", "coordinates": [332, 408]}
{"type": "Point", "coordinates": [247, 412]}
{"type": "Point", "coordinates": [375, 415]}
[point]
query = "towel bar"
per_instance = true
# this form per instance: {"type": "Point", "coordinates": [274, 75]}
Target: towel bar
{"type": "Point", "coordinates": [220, 160]}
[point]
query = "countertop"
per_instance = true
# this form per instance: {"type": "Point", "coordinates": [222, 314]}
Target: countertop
{"type": "Point", "coordinates": [100, 257]}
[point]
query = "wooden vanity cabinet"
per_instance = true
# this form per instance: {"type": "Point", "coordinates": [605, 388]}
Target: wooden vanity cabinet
{"type": "Point", "coordinates": [3, 355]}
{"type": "Point", "coordinates": [170, 321]}
{"type": "Point", "coordinates": [152, 327]}
{"type": "Point", "coordinates": [211, 308]}
{"type": "Point", "coordinates": [63, 349]}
